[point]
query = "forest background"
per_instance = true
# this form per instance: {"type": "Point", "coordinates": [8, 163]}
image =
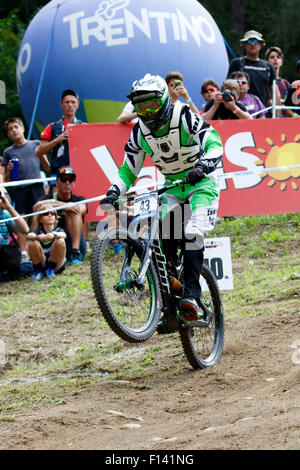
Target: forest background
{"type": "Point", "coordinates": [277, 20]}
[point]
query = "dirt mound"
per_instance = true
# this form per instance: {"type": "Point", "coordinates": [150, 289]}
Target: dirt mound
{"type": "Point", "coordinates": [249, 401]}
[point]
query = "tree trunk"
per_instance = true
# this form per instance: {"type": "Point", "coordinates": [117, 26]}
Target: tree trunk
{"type": "Point", "coordinates": [237, 17]}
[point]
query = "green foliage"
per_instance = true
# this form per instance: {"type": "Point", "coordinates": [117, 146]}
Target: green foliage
{"type": "Point", "coordinates": [277, 20]}
{"type": "Point", "coordinates": [11, 32]}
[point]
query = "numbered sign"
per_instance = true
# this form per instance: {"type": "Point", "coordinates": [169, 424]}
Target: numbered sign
{"type": "Point", "coordinates": [145, 206]}
{"type": "Point", "coordinates": [217, 255]}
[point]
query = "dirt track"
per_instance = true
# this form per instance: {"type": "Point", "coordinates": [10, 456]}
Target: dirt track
{"type": "Point", "coordinates": [249, 401]}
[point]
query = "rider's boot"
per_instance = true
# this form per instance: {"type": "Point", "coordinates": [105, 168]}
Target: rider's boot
{"type": "Point", "coordinates": [188, 305]}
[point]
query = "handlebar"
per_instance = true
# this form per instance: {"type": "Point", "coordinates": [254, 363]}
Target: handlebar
{"type": "Point", "coordinates": [161, 190]}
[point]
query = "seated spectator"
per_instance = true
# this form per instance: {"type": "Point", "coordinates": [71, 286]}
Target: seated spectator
{"type": "Point", "coordinates": [27, 167]}
{"type": "Point", "coordinates": [128, 114]}
{"type": "Point", "coordinates": [208, 90]}
{"type": "Point", "coordinates": [177, 90]}
{"type": "Point", "coordinates": [226, 106]}
{"type": "Point", "coordinates": [10, 256]}
{"type": "Point", "coordinates": [251, 102]}
{"type": "Point", "coordinates": [293, 96]}
{"type": "Point", "coordinates": [47, 246]}
{"type": "Point", "coordinates": [71, 219]}
{"type": "Point", "coordinates": [274, 55]}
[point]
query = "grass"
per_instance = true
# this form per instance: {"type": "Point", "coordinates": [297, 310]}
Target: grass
{"type": "Point", "coordinates": [58, 344]}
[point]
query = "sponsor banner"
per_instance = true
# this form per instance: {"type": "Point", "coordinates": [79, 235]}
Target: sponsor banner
{"type": "Point", "coordinates": [97, 151]}
{"type": "Point", "coordinates": [217, 255]}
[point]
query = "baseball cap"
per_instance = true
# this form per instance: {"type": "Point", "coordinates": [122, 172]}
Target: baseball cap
{"type": "Point", "coordinates": [297, 65]}
{"type": "Point", "coordinates": [68, 92]}
{"type": "Point", "coordinates": [252, 35]}
{"type": "Point", "coordinates": [65, 171]}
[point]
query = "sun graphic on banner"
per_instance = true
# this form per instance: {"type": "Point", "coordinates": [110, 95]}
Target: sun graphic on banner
{"type": "Point", "coordinates": [286, 155]}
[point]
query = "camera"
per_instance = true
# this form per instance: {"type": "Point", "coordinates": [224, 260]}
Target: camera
{"type": "Point", "coordinates": [227, 96]}
{"type": "Point", "coordinates": [177, 83]}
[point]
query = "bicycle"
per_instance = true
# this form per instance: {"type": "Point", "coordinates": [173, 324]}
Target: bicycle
{"type": "Point", "coordinates": [134, 287]}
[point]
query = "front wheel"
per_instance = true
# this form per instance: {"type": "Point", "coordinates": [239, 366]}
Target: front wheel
{"type": "Point", "coordinates": [203, 340]}
{"type": "Point", "coordinates": [131, 312]}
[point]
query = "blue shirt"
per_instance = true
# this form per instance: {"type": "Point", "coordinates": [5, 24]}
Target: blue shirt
{"type": "Point", "coordinates": [4, 232]}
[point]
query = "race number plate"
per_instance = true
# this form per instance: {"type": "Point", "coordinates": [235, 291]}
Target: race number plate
{"type": "Point", "coordinates": [145, 206]}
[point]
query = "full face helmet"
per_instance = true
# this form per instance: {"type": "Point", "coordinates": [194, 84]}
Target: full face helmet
{"type": "Point", "coordinates": [151, 101]}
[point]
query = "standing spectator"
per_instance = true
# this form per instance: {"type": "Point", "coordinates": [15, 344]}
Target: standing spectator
{"type": "Point", "coordinates": [46, 245]}
{"type": "Point", "coordinates": [128, 114]}
{"type": "Point", "coordinates": [208, 90]}
{"type": "Point", "coordinates": [71, 219]}
{"type": "Point", "coordinates": [27, 167]}
{"type": "Point", "coordinates": [177, 90]}
{"type": "Point", "coordinates": [251, 102]}
{"type": "Point", "coordinates": [225, 106]}
{"type": "Point", "coordinates": [10, 261]}
{"type": "Point", "coordinates": [260, 71]}
{"type": "Point", "coordinates": [54, 137]}
{"type": "Point", "coordinates": [293, 96]}
{"type": "Point", "coordinates": [274, 55]}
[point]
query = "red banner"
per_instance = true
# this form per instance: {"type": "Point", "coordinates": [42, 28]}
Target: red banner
{"type": "Point", "coordinates": [97, 151]}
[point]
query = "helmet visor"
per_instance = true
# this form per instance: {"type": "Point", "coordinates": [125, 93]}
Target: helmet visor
{"type": "Point", "coordinates": [152, 106]}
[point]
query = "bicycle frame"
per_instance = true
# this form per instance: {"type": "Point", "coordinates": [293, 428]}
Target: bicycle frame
{"type": "Point", "coordinates": [152, 249]}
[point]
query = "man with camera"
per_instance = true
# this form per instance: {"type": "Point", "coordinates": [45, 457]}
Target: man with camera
{"type": "Point", "coordinates": [224, 105]}
{"type": "Point", "coordinates": [177, 90]}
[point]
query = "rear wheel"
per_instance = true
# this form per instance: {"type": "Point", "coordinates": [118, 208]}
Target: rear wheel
{"type": "Point", "coordinates": [203, 340]}
{"type": "Point", "coordinates": [131, 312]}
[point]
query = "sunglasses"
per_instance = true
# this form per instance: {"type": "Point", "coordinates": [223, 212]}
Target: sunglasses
{"type": "Point", "coordinates": [48, 213]}
{"type": "Point", "coordinates": [254, 41]}
{"type": "Point", "coordinates": [209, 88]}
{"type": "Point", "coordinates": [242, 82]}
{"type": "Point", "coordinates": [64, 179]}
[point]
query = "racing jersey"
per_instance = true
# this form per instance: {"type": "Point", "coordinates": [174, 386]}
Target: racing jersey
{"type": "Point", "coordinates": [187, 141]}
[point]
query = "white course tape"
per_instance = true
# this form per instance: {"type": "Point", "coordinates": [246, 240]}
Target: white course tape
{"type": "Point", "coordinates": [26, 182]}
{"type": "Point", "coordinates": [258, 171]}
{"type": "Point", "coordinates": [72, 204]}
{"type": "Point", "coordinates": [155, 183]}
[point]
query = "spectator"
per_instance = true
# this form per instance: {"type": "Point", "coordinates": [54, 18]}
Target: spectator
{"type": "Point", "coordinates": [128, 114]}
{"type": "Point", "coordinates": [10, 259]}
{"type": "Point", "coordinates": [274, 55]}
{"type": "Point", "coordinates": [261, 72]}
{"type": "Point", "coordinates": [208, 90]}
{"type": "Point", "coordinates": [47, 246]}
{"type": "Point", "coordinates": [176, 89]}
{"type": "Point", "coordinates": [251, 102]}
{"type": "Point", "coordinates": [71, 219]}
{"type": "Point", "coordinates": [293, 96]}
{"type": "Point", "coordinates": [54, 137]}
{"type": "Point", "coordinates": [28, 168]}
{"type": "Point", "coordinates": [226, 106]}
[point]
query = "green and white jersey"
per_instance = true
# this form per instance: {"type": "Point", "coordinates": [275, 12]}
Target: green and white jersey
{"type": "Point", "coordinates": [187, 141]}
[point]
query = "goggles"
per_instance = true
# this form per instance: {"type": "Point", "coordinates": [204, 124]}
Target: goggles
{"type": "Point", "coordinates": [152, 106]}
{"type": "Point", "coordinates": [254, 41]}
{"type": "Point", "coordinates": [210, 88]}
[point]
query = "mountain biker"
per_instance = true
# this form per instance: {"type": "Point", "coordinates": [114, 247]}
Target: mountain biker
{"type": "Point", "coordinates": [182, 146]}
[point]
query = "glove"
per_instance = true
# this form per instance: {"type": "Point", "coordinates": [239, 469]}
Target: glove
{"type": "Point", "coordinates": [194, 176]}
{"type": "Point", "coordinates": [111, 197]}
